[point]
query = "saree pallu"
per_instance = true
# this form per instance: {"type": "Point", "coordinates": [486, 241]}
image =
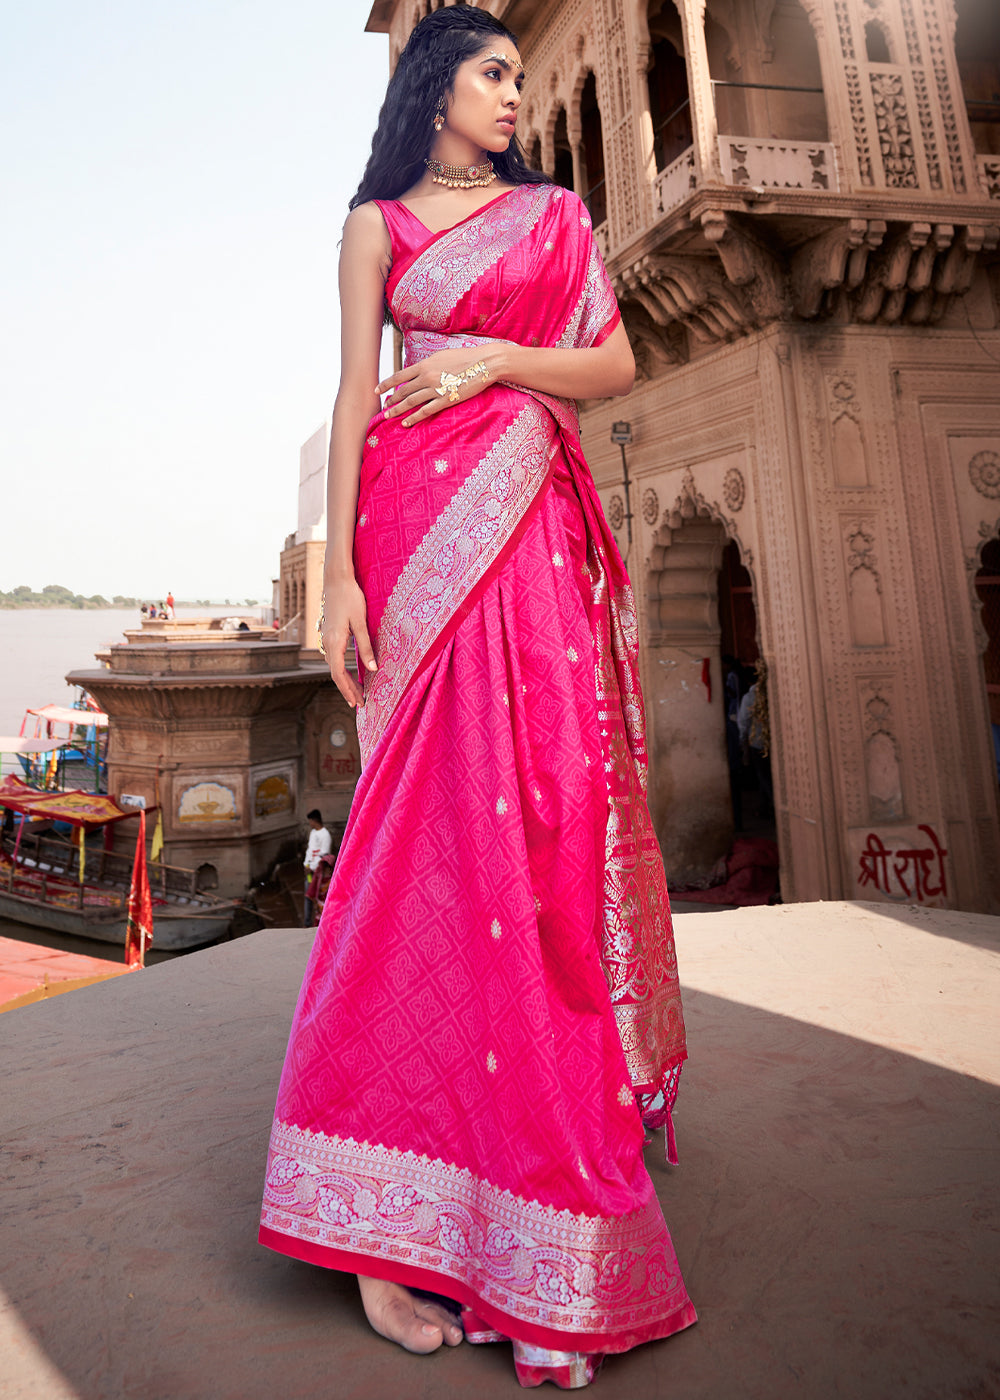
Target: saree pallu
{"type": "Point", "coordinates": [491, 1002]}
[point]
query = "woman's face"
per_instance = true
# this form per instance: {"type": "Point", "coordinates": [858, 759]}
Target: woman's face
{"type": "Point", "coordinates": [487, 94]}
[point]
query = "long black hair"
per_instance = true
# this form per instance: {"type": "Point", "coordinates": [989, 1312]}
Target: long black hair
{"type": "Point", "coordinates": [424, 74]}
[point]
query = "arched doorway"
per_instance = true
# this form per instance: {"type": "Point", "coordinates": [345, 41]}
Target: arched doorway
{"type": "Point", "coordinates": [747, 724]}
{"type": "Point", "coordinates": [988, 593]}
{"type": "Point", "coordinates": [689, 796]}
{"type": "Point", "coordinates": [563, 172]}
{"type": "Point", "coordinates": [595, 192]}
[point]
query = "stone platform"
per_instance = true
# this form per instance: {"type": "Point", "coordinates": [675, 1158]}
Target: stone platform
{"type": "Point", "coordinates": [834, 1213]}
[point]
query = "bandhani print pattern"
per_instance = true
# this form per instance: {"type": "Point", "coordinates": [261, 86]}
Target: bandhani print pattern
{"type": "Point", "coordinates": [454, 555]}
{"type": "Point", "coordinates": [594, 308]}
{"type": "Point", "coordinates": [547, 1267]}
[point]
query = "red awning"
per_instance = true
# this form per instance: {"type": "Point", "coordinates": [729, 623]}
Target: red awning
{"type": "Point", "coordinates": [78, 808]}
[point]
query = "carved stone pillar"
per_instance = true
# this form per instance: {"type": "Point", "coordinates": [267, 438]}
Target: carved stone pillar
{"type": "Point", "coordinates": [704, 126]}
{"type": "Point", "coordinates": [575, 136]}
{"type": "Point", "coordinates": [644, 117]}
{"type": "Point", "coordinates": [548, 154]}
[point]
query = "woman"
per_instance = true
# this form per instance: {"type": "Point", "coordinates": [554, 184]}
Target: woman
{"type": "Point", "coordinates": [493, 989]}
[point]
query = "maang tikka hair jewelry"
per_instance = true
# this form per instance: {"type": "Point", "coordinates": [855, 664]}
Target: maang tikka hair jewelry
{"type": "Point", "coordinates": [438, 119]}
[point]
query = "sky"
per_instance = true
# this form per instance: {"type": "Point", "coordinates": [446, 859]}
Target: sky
{"type": "Point", "coordinates": [174, 180]}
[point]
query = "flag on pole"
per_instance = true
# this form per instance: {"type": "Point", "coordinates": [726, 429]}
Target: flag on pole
{"type": "Point", "coordinates": [156, 848]}
{"type": "Point", "coordinates": [139, 925]}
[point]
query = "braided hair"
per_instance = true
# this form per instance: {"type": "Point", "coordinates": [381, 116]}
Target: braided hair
{"type": "Point", "coordinates": [439, 44]}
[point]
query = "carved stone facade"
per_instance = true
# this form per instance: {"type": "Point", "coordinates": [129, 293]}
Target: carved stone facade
{"type": "Point", "coordinates": [802, 208]}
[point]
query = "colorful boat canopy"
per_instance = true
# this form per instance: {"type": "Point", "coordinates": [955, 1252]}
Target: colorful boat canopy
{"type": "Point", "coordinates": [62, 714]}
{"type": "Point", "coordinates": [10, 743]}
{"type": "Point", "coordinates": [78, 808]}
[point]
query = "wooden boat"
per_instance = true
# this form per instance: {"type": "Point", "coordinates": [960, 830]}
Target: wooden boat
{"type": "Point", "coordinates": [42, 889]}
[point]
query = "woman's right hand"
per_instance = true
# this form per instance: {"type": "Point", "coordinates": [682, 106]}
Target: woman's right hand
{"type": "Point", "coordinates": [345, 614]}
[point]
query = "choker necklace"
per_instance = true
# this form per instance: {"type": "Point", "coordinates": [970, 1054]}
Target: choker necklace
{"type": "Point", "coordinates": [461, 177]}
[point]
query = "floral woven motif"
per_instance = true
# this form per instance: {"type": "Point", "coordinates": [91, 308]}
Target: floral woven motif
{"type": "Point", "coordinates": [573, 1273]}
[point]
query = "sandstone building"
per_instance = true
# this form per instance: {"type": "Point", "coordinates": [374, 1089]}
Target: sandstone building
{"type": "Point", "coordinates": [798, 203]}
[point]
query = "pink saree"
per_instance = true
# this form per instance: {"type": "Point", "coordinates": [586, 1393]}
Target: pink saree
{"type": "Point", "coordinates": [492, 1002]}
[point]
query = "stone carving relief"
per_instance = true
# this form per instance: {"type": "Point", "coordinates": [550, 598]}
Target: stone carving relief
{"type": "Point", "coordinates": [656, 344]}
{"type": "Point", "coordinates": [734, 489]}
{"type": "Point", "coordinates": [864, 586]}
{"type": "Point", "coordinates": [690, 504]}
{"type": "Point", "coordinates": [748, 265]}
{"type": "Point", "coordinates": [989, 176]}
{"type": "Point", "coordinates": [650, 506]}
{"type": "Point", "coordinates": [927, 132]}
{"type": "Point", "coordinates": [984, 473]}
{"type": "Point", "coordinates": [692, 291]}
{"type": "Point", "coordinates": [882, 765]}
{"type": "Point", "coordinates": [944, 94]}
{"type": "Point", "coordinates": [789, 165]}
{"type": "Point", "coordinates": [834, 259]}
{"type": "Point", "coordinates": [895, 134]}
{"type": "Point", "coordinates": [844, 29]}
{"type": "Point", "coordinates": [616, 512]}
{"type": "Point", "coordinates": [859, 125]}
{"type": "Point", "coordinates": [850, 460]}
{"type": "Point", "coordinates": [913, 54]}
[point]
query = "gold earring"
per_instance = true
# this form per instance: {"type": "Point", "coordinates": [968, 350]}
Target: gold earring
{"type": "Point", "coordinates": [439, 116]}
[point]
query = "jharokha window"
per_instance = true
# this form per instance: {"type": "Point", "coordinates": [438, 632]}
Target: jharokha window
{"type": "Point", "coordinates": [669, 104]}
{"type": "Point", "coordinates": [594, 191]}
{"type": "Point", "coordinates": [977, 48]}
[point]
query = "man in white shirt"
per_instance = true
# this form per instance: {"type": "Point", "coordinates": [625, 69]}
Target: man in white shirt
{"type": "Point", "coordinates": [320, 844]}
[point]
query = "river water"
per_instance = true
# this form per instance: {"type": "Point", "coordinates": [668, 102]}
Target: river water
{"type": "Point", "coordinates": [39, 645]}
{"type": "Point", "coordinates": [37, 648]}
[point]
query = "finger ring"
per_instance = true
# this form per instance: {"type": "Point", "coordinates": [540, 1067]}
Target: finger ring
{"type": "Point", "coordinates": [450, 385]}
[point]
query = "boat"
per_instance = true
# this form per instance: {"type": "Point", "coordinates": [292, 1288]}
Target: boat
{"type": "Point", "coordinates": [85, 741]}
{"type": "Point", "coordinates": [39, 758]}
{"type": "Point", "coordinates": [50, 883]}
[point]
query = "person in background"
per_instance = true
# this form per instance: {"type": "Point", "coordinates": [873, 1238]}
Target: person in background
{"type": "Point", "coordinates": [320, 844]}
{"type": "Point", "coordinates": [170, 605]}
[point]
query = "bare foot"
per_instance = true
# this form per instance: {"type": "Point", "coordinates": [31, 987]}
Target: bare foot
{"type": "Point", "coordinates": [416, 1324]}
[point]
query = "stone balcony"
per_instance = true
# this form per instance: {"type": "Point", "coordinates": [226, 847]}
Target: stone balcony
{"type": "Point", "coordinates": [834, 1213]}
{"type": "Point", "coordinates": [775, 235]}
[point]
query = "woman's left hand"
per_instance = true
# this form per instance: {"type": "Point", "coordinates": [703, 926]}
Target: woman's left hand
{"type": "Point", "coordinates": [428, 386]}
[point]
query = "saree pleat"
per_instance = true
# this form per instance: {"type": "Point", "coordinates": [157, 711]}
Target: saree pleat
{"type": "Point", "coordinates": [457, 1109]}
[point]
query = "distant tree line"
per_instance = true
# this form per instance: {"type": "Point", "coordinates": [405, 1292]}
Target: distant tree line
{"type": "Point", "coordinates": [54, 595]}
